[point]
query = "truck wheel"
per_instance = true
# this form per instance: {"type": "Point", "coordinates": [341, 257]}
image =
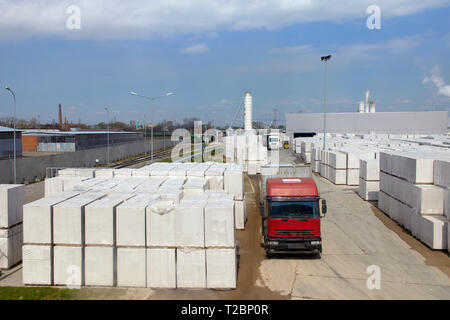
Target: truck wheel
{"type": "Point", "coordinates": [269, 255]}
{"type": "Point", "coordinates": [318, 255]}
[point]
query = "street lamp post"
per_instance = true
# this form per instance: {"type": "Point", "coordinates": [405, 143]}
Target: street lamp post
{"type": "Point", "coordinates": [107, 126]}
{"type": "Point", "coordinates": [15, 167]}
{"type": "Point", "coordinates": [151, 99]}
{"type": "Point", "coordinates": [325, 59]}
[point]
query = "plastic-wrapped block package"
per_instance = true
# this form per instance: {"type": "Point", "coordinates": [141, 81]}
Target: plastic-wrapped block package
{"type": "Point", "coordinates": [37, 265]}
{"type": "Point", "coordinates": [85, 172]}
{"type": "Point", "coordinates": [240, 214]}
{"type": "Point", "coordinates": [69, 172]}
{"type": "Point", "coordinates": [368, 190]}
{"type": "Point", "coordinates": [10, 246]}
{"type": "Point", "coordinates": [219, 224]}
{"type": "Point", "coordinates": [12, 198]}
{"type": "Point", "coordinates": [189, 225]}
{"type": "Point", "coordinates": [53, 186]}
{"type": "Point", "coordinates": [169, 194]}
{"type": "Point", "coordinates": [68, 265]}
{"type": "Point", "coordinates": [221, 268]}
{"type": "Point", "coordinates": [68, 219]}
{"type": "Point", "coordinates": [191, 268]}
{"type": "Point", "coordinates": [131, 267]}
{"type": "Point", "coordinates": [434, 232]}
{"type": "Point", "coordinates": [100, 221]}
{"type": "Point", "coordinates": [415, 167]}
{"type": "Point", "coordinates": [38, 218]}
{"type": "Point", "coordinates": [104, 173]}
{"type": "Point", "coordinates": [100, 266]}
{"type": "Point", "coordinates": [441, 173]}
{"type": "Point", "coordinates": [161, 268]}
{"type": "Point", "coordinates": [369, 169]}
{"type": "Point", "coordinates": [161, 224]}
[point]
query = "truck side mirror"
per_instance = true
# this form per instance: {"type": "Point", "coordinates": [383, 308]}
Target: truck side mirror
{"type": "Point", "coordinates": [324, 206]}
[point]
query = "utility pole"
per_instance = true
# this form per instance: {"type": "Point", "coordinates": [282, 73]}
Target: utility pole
{"type": "Point", "coordinates": [325, 59]}
{"type": "Point", "coordinates": [107, 126]}
{"type": "Point", "coordinates": [15, 165]}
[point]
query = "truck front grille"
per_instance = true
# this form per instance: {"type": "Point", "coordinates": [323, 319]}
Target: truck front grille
{"type": "Point", "coordinates": [294, 233]}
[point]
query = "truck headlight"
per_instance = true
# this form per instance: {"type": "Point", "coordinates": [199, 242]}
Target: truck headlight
{"type": "Point", "coordinates": [273, 243]}
{"type": "Point", "coordinates": [315, 242]}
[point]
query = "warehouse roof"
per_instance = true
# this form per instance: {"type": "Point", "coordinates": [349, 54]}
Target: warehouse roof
{"type": "Point", "coordinates": [70, 133]}
{"type": "Point", "coordinates": [6, 129]}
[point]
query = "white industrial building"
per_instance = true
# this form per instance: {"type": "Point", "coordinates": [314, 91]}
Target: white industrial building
{"type": "Point", "coordinates": [430, 122]}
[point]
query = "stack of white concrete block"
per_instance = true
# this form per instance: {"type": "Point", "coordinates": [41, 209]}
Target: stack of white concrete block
{"type": "Point", "coordinates": [248, 150]}
{"type": "Point", "coordinates": [12, 198]}
{"type": "Point", "coordinates": [167, 229]}
{"type": "Point", "coordinates": [413, 186]}
{"type": "Point", "coordinates": [369, 179]}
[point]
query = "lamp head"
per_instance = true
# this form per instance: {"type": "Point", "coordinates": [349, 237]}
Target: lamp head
{"type": "Point", "coordinates": [168, 94]}
{"type": "Point", "coordinates": [133, 93]}
{"type": "Point", "coordinates": [7, 88]}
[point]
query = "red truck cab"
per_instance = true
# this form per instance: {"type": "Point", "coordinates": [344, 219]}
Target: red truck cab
{"type": "Point", "coordinates": [291, 216]}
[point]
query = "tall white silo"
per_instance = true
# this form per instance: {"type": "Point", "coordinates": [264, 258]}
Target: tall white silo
{"type": "Point", "coordinates": [372, 106]}
{"type": "Point", "coordinates": [367, 100]}
{"type": "Point", "coordinates": [248, 105]}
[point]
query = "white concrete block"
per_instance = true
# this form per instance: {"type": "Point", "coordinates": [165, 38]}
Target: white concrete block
{"type": "Point", "coordinates": [161, 224]}
{"type": "Point", "coordinates": [215, 182]}
{"type": "Point", "coordinates": [352, 177]}
{"type": "Point", "coordinates": [219, 224]}
{"type": "Point", "coordinates": [38, 218]}
{"type": "Point", "coordinates": [100, 266]}
{"type": "Point", "coordinates": [234, 182]}
{"type": "Point", "coordinates": [104, 173]}
{"type": "Point", "coordinates": [131, 221]}
{"type": "Point", "coordinates": [100, 221]}
{"type": "Point", "coordinates": [338, 160]}
{"type": "Point", "coordinates": [68, 265]}
{"type": "Point", "coordinates": [369, 169]}
{"type": "Point", "coordinates": [447, 203]}
{"type": "Point", "coordinates": [10, 246]}
{"type": "Point", "coordinates": [441, 173]}
{"type": "Point", "coordinates": [37, 266]}
{"type": "Point", "coordinates": [337, 176]}
{"type": "Point", "coordinates": [53, 186]}
{"type": "Point", "coordinates": [68, 219]}
{"type": "Point", "coordinates": [191, 268]}
{"type": "Point", "coordinates": [434, 232]}
{"type": "Point", "coordinates": [240, 214]}
{"type": "Point", "coordinates": [161, 268]}
{"type": "Point", "coordinates": [12, 198]}
{"type": "Point", "coordinates": [124, 172]}
{"type": "Point", "coordinates": [221, 268]}
{"type": "Point", "coordinates": [189, 225]}
{"type": "Point", "coordinates": [131, 267]}
{"type": "Point", "coordinates": [368, 190]}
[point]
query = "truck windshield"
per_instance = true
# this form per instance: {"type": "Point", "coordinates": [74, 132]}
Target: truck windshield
{"type": "Point", "coordinates": [294, 209]}
{"type": "Point", "coordinates": [273, 139]}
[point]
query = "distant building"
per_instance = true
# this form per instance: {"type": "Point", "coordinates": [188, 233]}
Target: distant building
{"type": "Point", "coordinates": [430, 122]}
{"type": "Point", "coordinates": [7, 143]}
{"type": "Point", "coordinates": [71, 141]}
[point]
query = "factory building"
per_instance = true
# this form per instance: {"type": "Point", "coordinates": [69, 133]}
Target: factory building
{"type": "Point", "coordinates": [431, 122]}
{"type": "Point", "coordinates": [71, 141]}
{"type": "Point", "coordinates": [7, 143]}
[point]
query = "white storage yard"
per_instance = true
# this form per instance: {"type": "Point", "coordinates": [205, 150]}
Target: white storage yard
{"type": "Point", "coordinates": [12, 197]}
{"type": "Point", "coordinates": [409, 175]}
{"type": "Point", "coordinates": [166, 225]}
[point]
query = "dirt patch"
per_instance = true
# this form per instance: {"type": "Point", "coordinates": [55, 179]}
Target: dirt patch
{"type": "Point", "coordinates": [434, 258]}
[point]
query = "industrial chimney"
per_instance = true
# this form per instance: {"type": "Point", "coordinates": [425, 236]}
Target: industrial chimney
{"type": "Point", "coordinates": [367, 100]}
{"type": "Point", "coordinates": [60, 115]}
{"type": "Point", "coordinates": [248, 105]}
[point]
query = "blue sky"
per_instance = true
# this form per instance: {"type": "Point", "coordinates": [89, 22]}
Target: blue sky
{"type": "Point", "coordinates": [209, 59]}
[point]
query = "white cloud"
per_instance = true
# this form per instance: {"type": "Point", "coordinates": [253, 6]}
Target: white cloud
{"type": "Point", "coordinates": [304, 48]}
{"type": "Point", "coordinates": [196, 49]}
{"type": "Point", "coordinates": [438, 81]}
{"type": "Point", "coordinates": [141, 19]}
